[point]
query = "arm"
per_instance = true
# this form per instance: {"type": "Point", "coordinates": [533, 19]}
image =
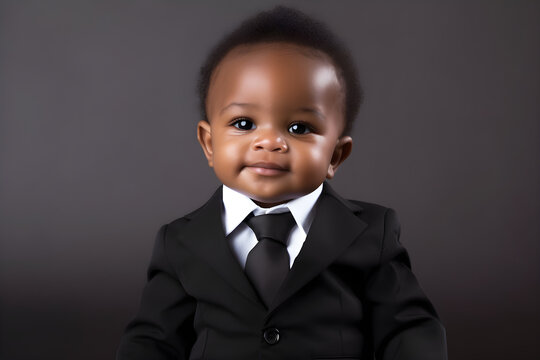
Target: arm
{"type": "Point", "coordinates": [163, 328]}
{"type": "Point", "coordinates": [405, 324]}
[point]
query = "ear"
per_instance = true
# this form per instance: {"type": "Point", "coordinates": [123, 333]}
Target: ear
{"type": "Point", "coordinates": [204, 135]}
{"type": "Point", "coordinates": [341, 152]}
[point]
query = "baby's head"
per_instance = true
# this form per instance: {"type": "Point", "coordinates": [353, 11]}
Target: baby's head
{"type": "Point", "coordinates": [278, 97]}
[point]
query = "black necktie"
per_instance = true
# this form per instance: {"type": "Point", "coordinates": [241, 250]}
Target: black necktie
{"type": "Point", "coordinates": [267, 263]}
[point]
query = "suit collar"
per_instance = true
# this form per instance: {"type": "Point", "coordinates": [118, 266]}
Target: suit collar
{"type": "Point", "coordinates": [237, 206]}
{"type": "Point", "coordinates": [204, 235]}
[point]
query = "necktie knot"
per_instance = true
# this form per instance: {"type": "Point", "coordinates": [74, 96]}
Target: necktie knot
{"type": "Point", "coordinates": [274, 227]}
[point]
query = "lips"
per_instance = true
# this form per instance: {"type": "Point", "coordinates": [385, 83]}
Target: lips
{"type": "Point", "coordinates": [267, 168]}
{"type": "Point", "coordinates": [268, 165]}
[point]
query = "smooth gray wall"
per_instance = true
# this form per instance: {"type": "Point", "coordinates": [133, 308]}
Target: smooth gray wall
{"type": "Point", "coordinates": [98, 149]}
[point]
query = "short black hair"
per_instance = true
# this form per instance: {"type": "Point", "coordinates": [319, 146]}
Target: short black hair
{"type": "Point", "coordinates": [285, 24]}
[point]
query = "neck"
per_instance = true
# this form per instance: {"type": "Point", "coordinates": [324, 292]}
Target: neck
{"type": "Point", "coordinates": [268, 205]}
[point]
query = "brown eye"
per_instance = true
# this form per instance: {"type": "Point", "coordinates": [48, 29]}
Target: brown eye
{"type": "Point", "coordinates": [299, 129]}
{"type": "Point", "coordinates": [244, 124]}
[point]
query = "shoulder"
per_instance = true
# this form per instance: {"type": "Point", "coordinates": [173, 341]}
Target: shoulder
{"type": "Point", "coordinates": [376, 215]}
{"type": "Point", "coordinates": [181, 222]}
{"type": "Point", "coordinates": [369, 212]}
{"type": "Point", "coordinates": [379, 216]}
{"type": "Point", "coordinates": [374, 208]}
{"type": "Point", "coordinates": [369, 206]}
{"type": "Point", "coordinates": [210, 210]}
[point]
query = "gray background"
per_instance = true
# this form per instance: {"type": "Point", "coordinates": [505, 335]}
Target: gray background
{"type": "Point", "coordinates": [98, 149]}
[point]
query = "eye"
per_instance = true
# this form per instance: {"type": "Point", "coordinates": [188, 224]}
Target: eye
{"type": "Point", "coordinates": [299, 129]}
{"type": "Point", "coordinates": [243, 124]}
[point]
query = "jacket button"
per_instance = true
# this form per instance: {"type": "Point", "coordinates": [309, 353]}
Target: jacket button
{"type": "Point", "coordinates": [271, 336]}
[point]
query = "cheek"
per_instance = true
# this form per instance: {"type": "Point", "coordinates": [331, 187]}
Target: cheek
{"type": "Point", "coordinates": [228, 153]}
{"type": "Point", "coordinates": [314, 159]}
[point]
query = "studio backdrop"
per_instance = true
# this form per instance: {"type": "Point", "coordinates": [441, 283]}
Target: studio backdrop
{"type": "Point", "coordinates": [98, 149]}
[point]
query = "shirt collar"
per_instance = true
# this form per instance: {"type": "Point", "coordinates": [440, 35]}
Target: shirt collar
{"type": "Point", "coordinates": [237, 206]}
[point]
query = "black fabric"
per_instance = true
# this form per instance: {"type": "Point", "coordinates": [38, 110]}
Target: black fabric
{"type": "Point", "coordinates": [267, 263]}
{"type": "Point", "coordinates": [350, 294]}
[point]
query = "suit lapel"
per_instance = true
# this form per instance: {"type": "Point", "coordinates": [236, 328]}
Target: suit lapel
{"type": "Point", "coordinates": [205, 236]}
{"type": "Point", "coordinates": [334, 228]}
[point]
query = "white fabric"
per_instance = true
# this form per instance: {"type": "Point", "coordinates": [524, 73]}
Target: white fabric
{"type": "Point", "coordinates": [242, 239]}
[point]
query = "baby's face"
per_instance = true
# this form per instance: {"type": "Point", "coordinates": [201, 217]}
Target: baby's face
{"type": "Point", "coordinates": [275, 118]}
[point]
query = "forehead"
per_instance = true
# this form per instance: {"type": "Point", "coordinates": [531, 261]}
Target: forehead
{"type": "Point", "coordinates": [259, 54]}
{"type": "Point", "coordinates": [287, 74]}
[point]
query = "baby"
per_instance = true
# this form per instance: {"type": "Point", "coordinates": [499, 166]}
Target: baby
{"type": "Point", "coordinates": [276, 265]}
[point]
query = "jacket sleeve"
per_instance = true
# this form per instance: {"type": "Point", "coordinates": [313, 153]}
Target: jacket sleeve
{"type": "Point", "coordinates": [163, 327]}
{"type": "Point", "coordinates": [405, 324]}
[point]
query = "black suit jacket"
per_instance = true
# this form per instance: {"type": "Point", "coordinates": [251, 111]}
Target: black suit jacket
{"type": "Point", "coordinates": [350, 294]}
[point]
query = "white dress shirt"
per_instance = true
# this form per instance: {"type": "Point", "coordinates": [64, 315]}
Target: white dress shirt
{"type": "Point", "coordinates": [242, 239]}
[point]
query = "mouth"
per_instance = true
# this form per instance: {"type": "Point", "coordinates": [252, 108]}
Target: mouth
{"type": "Point", "coordinates": [267, 168]}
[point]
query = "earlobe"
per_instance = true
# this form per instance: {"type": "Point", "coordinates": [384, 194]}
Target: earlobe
{"type": "Point", "coordinates": [204, 135]}
{"type": "Point", "coordinates": [341, 152]}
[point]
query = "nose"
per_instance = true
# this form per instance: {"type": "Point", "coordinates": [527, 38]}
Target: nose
{"type": "Point", "coordinates": [270, 140]}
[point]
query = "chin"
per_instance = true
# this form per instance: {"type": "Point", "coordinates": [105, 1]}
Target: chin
{"type": "Point", "coordinates": [267, 203]}
{"type": "Point", "coordinates": [275, 197]}
{"type": "Point", "coordinates": [269, 196]}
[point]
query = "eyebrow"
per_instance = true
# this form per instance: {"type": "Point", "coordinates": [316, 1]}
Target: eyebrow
{"type": "Point", "coordinates": [302, 109]}
{"type": "Point", "coordinates": [238, 104]}
{"type": "Point", "coordinates": [313, 111]}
